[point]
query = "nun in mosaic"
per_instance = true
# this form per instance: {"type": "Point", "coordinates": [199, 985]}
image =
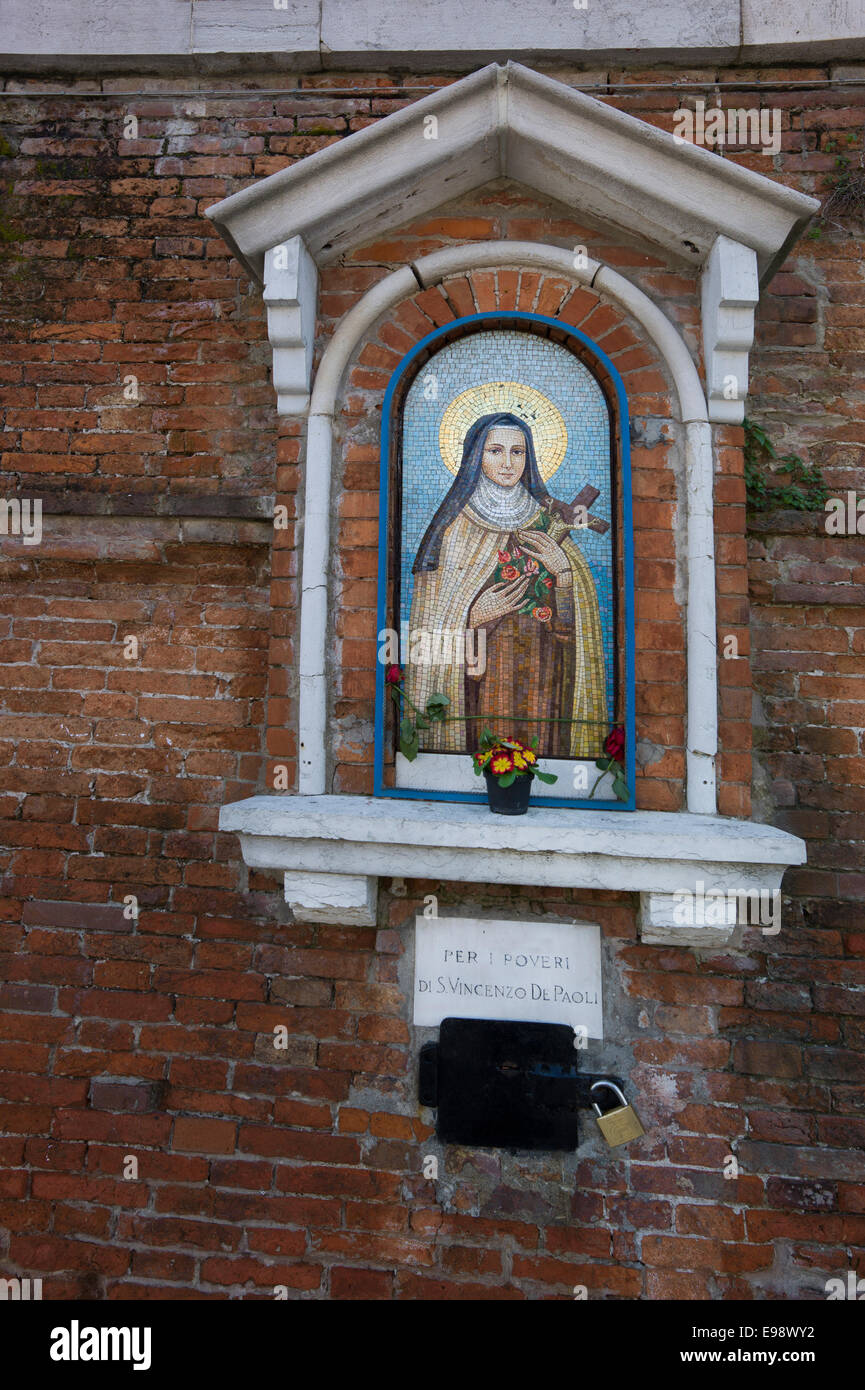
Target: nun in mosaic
{"type": "Point", "coordinates": [479, 566]}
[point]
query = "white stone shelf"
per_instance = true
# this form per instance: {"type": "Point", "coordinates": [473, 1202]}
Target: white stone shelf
{"type": "Point", "coordinates": [332, 850]}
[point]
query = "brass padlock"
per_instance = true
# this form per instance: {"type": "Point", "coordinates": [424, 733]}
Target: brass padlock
{"type": "Point", "coordinates": [618, 1126]}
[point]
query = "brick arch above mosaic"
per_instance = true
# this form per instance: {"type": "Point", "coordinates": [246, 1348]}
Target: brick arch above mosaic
{"type": "Point", "coordinates": [642, 369]}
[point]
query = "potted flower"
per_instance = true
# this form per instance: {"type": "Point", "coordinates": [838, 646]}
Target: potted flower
{"type": "Point", "coordinates": [508, 767]}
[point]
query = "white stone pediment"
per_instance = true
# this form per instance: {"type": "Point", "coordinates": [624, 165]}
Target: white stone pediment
{"type": "Point", "coordinates": [507, 121]}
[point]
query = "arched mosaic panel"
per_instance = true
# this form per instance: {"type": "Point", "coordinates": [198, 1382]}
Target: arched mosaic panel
{"type": "Point", "coordinates": [501, 561]}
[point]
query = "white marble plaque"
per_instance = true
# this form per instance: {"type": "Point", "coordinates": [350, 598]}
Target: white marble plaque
{"type": "Point", "coordinates": [539, 972]}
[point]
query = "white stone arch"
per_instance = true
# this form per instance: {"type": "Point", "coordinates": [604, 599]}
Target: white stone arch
{"type": "Point", "coordinates": [430, 270]}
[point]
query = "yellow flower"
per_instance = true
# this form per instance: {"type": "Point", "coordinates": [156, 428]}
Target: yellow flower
{"type": "Point", "coordinates": [519, 760]}
{"type": "Point", "coordinates": [502, 763]}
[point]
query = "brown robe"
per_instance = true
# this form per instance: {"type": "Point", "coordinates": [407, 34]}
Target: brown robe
{"type": "Point", "coordinates": [524, 691]}
{"type": "Point", "coordinates": [534, 671]}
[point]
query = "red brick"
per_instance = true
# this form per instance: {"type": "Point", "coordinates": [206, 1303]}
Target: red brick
{"type": "Point", "coordinates": [193, 1135]}
{"type": "Point", "coordinates": [362, 1284]}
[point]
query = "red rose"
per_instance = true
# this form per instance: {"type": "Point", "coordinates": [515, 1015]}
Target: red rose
{"type": "Point", "coordinates": [504, 556]}
{"type": "Point", "coordinates": [510, 572]}
{"type": "Point", "coordinates": [548, 582]}
{"type": "Point", "coordinates": [393, 675]}
{"type": "Point", "coordinates": [543, 615]}
{"type": "Point", "coordinates": [614, 745]}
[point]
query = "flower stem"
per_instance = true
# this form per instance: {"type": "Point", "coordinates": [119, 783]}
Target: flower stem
{"type": "Point", "coordinates": [607, 769]}
{"type": "Point", "coordinates": [404, 697]}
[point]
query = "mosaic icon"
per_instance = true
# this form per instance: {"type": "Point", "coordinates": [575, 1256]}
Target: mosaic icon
{"type": "Point", "coordinates": [505, 547]}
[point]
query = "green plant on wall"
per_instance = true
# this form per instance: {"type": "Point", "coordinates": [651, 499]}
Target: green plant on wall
{"type": "Point", "coordinates": [779, 481]}
{"type": "Point", "coordinates": [10, 233]}
{"type": "Point", "coordinates": [846, 195]}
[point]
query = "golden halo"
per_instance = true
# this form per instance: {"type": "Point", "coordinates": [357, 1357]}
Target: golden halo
{"type": "Point", "coordinates": [549, 430]}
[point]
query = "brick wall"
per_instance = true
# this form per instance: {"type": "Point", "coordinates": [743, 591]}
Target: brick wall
{"type": "Point", "coordinates": [152, 1037]}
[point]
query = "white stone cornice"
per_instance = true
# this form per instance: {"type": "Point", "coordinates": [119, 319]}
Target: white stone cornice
{"type": "Point", "coordinates": [730, 291]}
{"type": "Point", "coordinates": [244, 36]}
{"type": "Point", "coordinates": [291, 297]}
{"type": "Point", "coordinates": [453, 841]}
{"type": "Point", "coordinates": [331, 850]}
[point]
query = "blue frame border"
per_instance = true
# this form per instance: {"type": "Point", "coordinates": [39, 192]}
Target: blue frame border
{"type": "Point", "coordinates": [516, 317]}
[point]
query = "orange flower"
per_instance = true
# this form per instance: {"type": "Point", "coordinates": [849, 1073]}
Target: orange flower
{"type": "Point", "coordinates": [543, 615]}
{"type": "Point", "coordinates": [510, 572]}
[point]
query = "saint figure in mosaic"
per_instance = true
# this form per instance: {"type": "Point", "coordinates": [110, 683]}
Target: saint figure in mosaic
{"type": "Point", "coordinates": [498, 556]}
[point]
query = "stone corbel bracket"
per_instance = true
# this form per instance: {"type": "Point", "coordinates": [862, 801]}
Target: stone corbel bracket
{"type": "Point", "coordinates": [730, 289]}
{"type": "Point", "coordinates": [291, 297]}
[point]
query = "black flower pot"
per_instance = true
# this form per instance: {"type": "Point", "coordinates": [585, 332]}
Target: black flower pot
{"type": "Point", "coordinates": [512, 800]}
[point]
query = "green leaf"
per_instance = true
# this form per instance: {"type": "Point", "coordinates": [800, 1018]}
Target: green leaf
{"type": "Point", "coordinates": [437, 706]}
{"type": "Point", "coordinates": [507, 778]}
{"type": "Point", "coordinates": [421, 722]}
{"type": "Point", "coordinates": [408, 742]}
{"type": "Point", "coordinates": [771, 481]}
{"type": "Point", "coordinates": [549, 777]}
{"type": "Point", "coordinates": [602, 764]}
{"type": "Point", "coordinates": [620, 787]}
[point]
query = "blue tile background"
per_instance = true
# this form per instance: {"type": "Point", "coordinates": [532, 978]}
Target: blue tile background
{"type": "Point", "coordinates": [499, 355]}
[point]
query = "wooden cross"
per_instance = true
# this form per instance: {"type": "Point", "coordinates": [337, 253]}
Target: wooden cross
{"type": "Point", "coordinates": [584, 499]}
